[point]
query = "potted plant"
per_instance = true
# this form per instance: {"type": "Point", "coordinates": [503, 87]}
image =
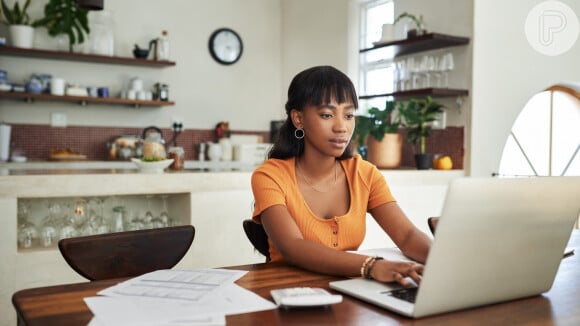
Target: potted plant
{"type": "Point", "coordinates": [64, 17]}
{"type": "Point", "coordinates": [417, 115]}
{"type": "Point", "coordinates": [379, 130]}
{"type": "Point", "coordinates": [419, 24]}
{"type": "Point", "coordinates": [19, 25]}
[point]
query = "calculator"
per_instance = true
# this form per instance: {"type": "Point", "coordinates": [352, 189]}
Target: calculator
{"type": "Point", "coordinates": [304, 297]}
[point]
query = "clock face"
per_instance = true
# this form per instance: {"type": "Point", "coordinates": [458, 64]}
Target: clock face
{"type": "Point", "coordinates": [225, 46]}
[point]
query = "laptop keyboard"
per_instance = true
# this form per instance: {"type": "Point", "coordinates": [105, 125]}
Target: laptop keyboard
{"type": "Point", "coordinates": [407, 294]}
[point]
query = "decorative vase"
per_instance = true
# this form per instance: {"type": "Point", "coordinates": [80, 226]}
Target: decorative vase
{"type": "Point", "coordinates": [22, 36]}
{"type": "Point", "coordinates": [385, 154]}
{"type": "Point", "coordinates": [424, 161]}
{"type": "Point", "coordinates": [388, 33]}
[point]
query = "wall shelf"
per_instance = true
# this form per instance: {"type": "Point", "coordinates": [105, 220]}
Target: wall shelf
{"type": "Point", "coordinates": [418, 93]}
{"type": "Point", "coordinates": [83, 100]}
{"type": "Point", "coordinates": [71, 56]}
{"type": "Point", "coordinates": [431, 41]}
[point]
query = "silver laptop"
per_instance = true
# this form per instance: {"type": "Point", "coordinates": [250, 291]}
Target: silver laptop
{"type": "Point", "coordinates": [497, 240]}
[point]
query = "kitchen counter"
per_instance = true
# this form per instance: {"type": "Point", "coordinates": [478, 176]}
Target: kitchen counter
{"type": "Point", "coordinates": [108, 167]}
{"type": "Point", "coordinates": [214, 202]}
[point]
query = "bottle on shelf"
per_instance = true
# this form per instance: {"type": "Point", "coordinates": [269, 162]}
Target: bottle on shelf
{"type": "Point", "coordinates": [162, 49]}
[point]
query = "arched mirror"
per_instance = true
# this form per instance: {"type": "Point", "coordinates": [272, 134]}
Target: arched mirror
{"type": "Point", "coordinates": [545, 138]}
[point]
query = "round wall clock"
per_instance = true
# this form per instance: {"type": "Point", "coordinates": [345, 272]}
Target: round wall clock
{"type": "Point", "coordinates": [225, 46]}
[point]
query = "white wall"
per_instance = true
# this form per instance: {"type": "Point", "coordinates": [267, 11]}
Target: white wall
{"type": "Point", "coordinates": [315, 33]}
{"type": "Point", "coordinates": [507, 72]}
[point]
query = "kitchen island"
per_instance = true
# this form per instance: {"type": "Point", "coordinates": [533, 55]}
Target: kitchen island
{"type": "Point", "coordinates": [214, 202]}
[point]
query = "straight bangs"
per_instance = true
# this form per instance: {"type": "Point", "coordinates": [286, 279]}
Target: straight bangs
{"type": "Point", "coordinates": [333, 88]}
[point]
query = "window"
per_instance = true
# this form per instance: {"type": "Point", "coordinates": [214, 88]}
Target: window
{"type": "Point", "coordinates": [545, 139]}
{"type": "Point", "coordinates": [376, 73]}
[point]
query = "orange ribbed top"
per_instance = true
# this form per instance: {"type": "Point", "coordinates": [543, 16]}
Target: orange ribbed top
{"type": "Point", "coordinates": [274, 183]}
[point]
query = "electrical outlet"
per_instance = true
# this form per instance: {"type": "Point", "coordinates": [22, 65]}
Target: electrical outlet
{"type": "Point", "coordinates": [176, 120]}
{"type": "Point", "coordinates": [58, 119]}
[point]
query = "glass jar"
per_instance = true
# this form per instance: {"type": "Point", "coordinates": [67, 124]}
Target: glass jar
{"type": "Point", "coordinates": [178, 155]}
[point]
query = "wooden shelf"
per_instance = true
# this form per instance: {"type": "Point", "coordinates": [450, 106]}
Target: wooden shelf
{"type": "Point", "coordinates": [70, 56]}
{"type": "Point", "coordinates": [431, 41]}
{"type": "Point", "coordinates": [419, 93]}
{"type": "Point", "coordinates": [83, 100]}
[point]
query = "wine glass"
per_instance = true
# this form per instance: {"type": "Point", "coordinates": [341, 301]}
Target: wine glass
{"type": "Point", "coordinates": [27, 235]}
{"type": "Point", "coordinates": [80, 212]}
{"type": "Point", "coordinates": [447, 65]}
{"type": "Point", "coordinates": [134, 222]}
{"type": "Point", "coordinates": [99, 222]}
{"type": "Point", "coordinates": [166, 220]}
{"type": "Point", "coordinates": [68, 229]}
{"type": "Point", "coordinates": [48, 232]}
{"type": "Point", "coordinates": [433, 77]}
{"type": "Point", "coordinates": [148, 217]}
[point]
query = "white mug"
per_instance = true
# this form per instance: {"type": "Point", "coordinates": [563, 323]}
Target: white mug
{"type": "Point", "coordinates": [136, 84]}
{"type": "Point", "coordinates": [57, 86]}
{"type": "Point", "coordinates": [131, 94]}
{"type": "Point", "coordinates": [141, 95]}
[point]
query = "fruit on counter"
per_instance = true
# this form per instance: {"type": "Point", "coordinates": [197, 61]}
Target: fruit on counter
{"type": "Point", "coordinates": [443, 163]}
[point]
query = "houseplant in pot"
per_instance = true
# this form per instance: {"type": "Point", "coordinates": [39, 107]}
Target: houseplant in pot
{"type": "Point", "coordinates": [417, 115]}
{"type": "Point", "coordinates": [379, 131]}
{"type": "Point", "coordinates": [19, 24]}
{"type": "Point", "coordinates": [65, 18]}
{"type": "Point", "coordinates": [419, 25]}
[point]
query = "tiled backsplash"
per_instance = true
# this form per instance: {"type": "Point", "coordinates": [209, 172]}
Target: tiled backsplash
{"type": "Point", "coordinates": [36, 141]}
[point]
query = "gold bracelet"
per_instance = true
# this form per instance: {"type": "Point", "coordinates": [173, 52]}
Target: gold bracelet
{"type": "Point", "coordinates": [370, 267]}
{"type": "Point", "coordinates": [364, 265]}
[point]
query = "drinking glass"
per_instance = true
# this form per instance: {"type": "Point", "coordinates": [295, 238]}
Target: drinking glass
{"type": "Point", "coordinates": [133, 221]}
{"type": "Point", "coordinates": [447, 65]}
{"type": "Point", "coordinates": [166, 220]}
{"type": "Point", "coordinates": [68, 229]}
{"type": "Point", "coordinates": [49, 229]}
{"type": "Point", "coordinates": [27, 234]}
{"type": "Point", "coordinates": [98, 220]}
{"type": "Point", "coordinates": [118, 220]}
{"type": "Point", "coordinates": [80, 212]}
{"type": "Point", "coordinates": [48, 232]}
{"type": "Point", "coordinates": [157, 222]}
{"type": "Point", "coordinates": [148, 217]}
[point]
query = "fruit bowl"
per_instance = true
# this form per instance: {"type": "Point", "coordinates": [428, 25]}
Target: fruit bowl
{"type": "Point", "coordinates": [153, 166]}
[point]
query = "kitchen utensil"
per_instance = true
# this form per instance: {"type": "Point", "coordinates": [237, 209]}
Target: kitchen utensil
{"type": "Point", "coordinates": [57, 86]}
{"type": "Point", "coordinates": [153, 143]}
{"type": "Point", "coordinates": [140, 53]}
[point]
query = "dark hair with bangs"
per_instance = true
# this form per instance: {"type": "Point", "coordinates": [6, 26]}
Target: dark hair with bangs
{"type": "Point", "coordinates": [314, 86]}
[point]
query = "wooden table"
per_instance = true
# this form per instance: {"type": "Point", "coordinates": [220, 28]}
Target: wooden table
{"type": "Point", "coordinates": [64, 305]}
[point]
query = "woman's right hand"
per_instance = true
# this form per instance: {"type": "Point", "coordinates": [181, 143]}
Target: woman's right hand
{"type": "Point", "coordinates": [396, 271]}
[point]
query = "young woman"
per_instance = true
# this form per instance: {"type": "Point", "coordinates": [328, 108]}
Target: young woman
{"type": "Point", "coordinates": [313, 193]}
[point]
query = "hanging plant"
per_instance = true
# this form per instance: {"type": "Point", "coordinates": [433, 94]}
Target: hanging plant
{"type": "Point", "coordinates": [65, 17]}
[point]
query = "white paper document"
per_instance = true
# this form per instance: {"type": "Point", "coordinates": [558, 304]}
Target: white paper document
{"type": "Point", "coordinates": [175, 297]}
{"type": "Point", "coordinates": [392, 253]}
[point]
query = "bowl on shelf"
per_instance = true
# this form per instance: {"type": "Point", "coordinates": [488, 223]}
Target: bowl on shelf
{"type": "Point", "coordinates": [152, 166]}
{"type": "Point", "coordinates": [140, 53]}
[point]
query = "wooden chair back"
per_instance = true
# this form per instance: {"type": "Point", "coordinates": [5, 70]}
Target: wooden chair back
{"type": "Point", "coordinates": [432, 222]}
{"type": "Point", "coordinates": [127, 254]}
{"type": "Point", "coordinates": [258, 237]}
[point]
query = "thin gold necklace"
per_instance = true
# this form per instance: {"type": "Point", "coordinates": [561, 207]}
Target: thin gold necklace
{"type": "Point", "coordinates": [310, 184]}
